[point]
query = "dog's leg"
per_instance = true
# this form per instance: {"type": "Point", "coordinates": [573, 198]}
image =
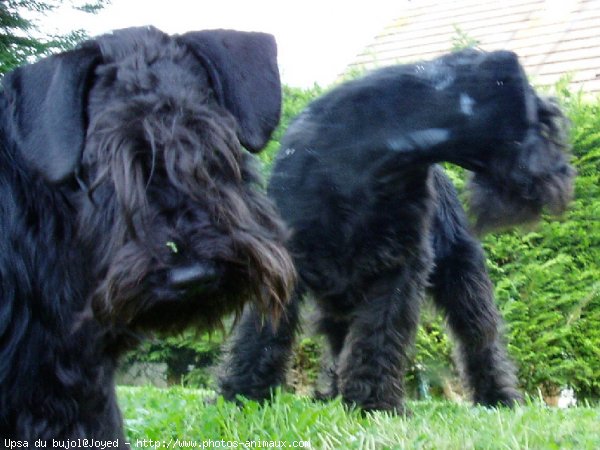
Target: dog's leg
{"type": "Point", "coordinates": [374, 357]}
{"type": "Point", "coordinates": [259, 353]}
{"type": "Point", "coordinates": [462, 289]}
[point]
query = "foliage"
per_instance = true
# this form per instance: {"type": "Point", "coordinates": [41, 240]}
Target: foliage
{"type": "Point", "coordinates": [462, 40]}
{"type": "Point", "coordinates": [306, 364]}
{"type": "Point", "coordinates": [197, 416]}
{"type": "Point", "coordinates": [294, 101]}
{"type": "Point", "coordinates": [188, 356]}
{"type": "Point", "coordinates": [432, 368]}
{"type": "Point", "coordinates": [20, 38]}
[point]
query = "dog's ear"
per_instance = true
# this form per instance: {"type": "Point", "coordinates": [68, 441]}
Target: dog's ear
{"type": "Point", "coordinates": [48, 101]}
{"type": "Point", "coordinates": [245, 78]}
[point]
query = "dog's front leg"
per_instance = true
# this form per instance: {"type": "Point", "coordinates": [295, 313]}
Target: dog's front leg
{"type": "Point", "coordinates": [374, 358]}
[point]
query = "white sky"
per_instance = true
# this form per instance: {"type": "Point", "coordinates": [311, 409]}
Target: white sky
{"type": "Point", "coordinates": [316, 39]}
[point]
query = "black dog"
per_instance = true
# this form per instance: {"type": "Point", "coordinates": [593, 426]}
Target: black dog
{"type": "Point", "coordinates": [375, 222]}
{"type": "Point", "coordinates": [128, 205]}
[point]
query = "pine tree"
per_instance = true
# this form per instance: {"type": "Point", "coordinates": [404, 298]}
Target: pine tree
{"type": "Point", "coordinates": [20, 39]}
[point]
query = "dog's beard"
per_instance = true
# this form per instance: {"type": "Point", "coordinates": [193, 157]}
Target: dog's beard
{"type": "Point", "coordinates": [518, 193]}
{"type": "Point", "coordinates": [532, 177]}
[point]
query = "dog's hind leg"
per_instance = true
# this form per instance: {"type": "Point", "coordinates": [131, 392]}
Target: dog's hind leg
{"type": "Point", "coordinates": [259, 353]}
{"type": "Point", "coordinates": [462, 289]}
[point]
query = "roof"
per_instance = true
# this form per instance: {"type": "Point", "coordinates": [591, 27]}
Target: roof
{"type": "Point", "coordinates": [553, 38]}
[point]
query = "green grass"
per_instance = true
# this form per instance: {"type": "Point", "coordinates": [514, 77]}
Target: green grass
{"type": "Point", "coordinates": [184, 414]}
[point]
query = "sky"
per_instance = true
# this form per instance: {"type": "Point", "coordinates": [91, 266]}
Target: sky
{"type": "Point", "coordinates": [316, 39]}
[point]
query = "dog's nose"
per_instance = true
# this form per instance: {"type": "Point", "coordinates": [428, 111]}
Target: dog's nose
{"type": "Point", "coordinates": [193, 275]}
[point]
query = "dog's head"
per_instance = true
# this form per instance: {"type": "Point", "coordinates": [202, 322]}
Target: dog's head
{"type": "Point", "coordinates": [144, 132]}
{"type": "Point", "coordinates": [514, 140]}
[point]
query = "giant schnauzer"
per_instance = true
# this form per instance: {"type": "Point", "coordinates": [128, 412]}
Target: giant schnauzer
{"type": "Point", "coordinates": [376, 222]}
{"type": "Point", "coordinates": [128, 205]}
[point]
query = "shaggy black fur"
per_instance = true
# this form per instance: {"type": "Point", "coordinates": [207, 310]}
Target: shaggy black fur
{"type": "Point", "coordinates": [376, 222]}
{"type": "Point", "coordinates": [128, 205]}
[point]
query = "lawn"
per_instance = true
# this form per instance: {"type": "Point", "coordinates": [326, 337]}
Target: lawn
{"type": "Point", "coordinates": [183, 418]}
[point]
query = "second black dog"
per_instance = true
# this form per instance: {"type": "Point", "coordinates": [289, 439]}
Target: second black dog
{"type": "Point", "coordinates": [375, 222]}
